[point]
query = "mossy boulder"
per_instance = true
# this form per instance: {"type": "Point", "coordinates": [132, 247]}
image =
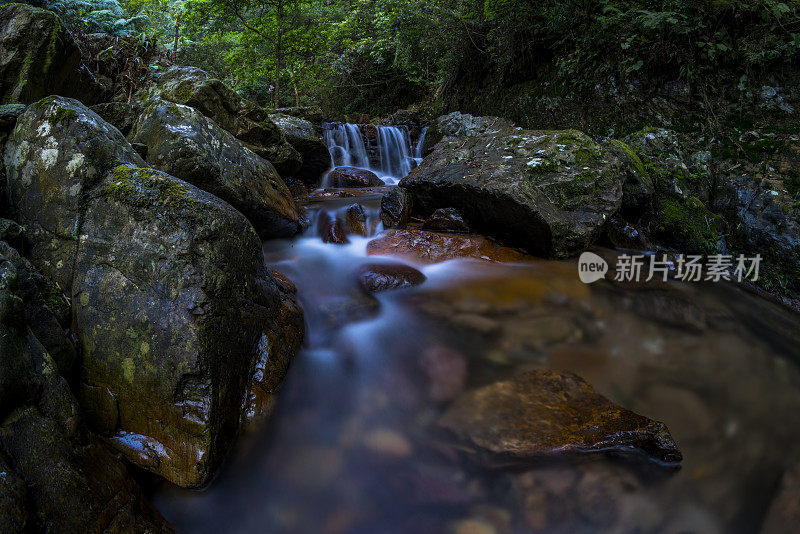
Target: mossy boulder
{"type": "Point", "coordinates": [57, 150]}
{"type": "Point", "coordinates": [246, 121]}
{"type": "Point", "coordinates": [301, 135]}
{"type": "Point", "coordinates": [688, 225]}
{"type": "Point", "coordinates": [173, 308]}
{"type": "Point", "coordinates": [637, 185]}
{"type": "Point", "coordinates": [188, 145]}
{"type": "Point", "coordinates": [548, 192]}
{"type": "Point", "coordinates": [54, 475]}
{"type": "Point", "coordinates": [38, 57]}
{"type": "Point", "coordinates": [172, 304]}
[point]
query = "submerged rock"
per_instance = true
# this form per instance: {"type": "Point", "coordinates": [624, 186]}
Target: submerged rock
{"type": "Point", "coordinates": [428, 247]}
{"type": "Point", "coordinates": [184, 143]}
{"type": "Point", "coordinates": [395, 208]}
{"type": "Point", "coordinates": [547, 413]}
{"type": "Point", "coordinates": [301, 135]}
{"type": "Point", "coordinates": [355, 220]}
{"type": "Point", "coordinates": [247, 122]}
{"type": "Point", "coordinates": [548, 192]}
{"type": "Point", "coordinates": [39, 57]}
{"type": "Point", "coordinates": [377, 277]}
{"type": "Point", "coordinates": [353, 177]}
{"type": "Point", "coordinates": [446, 220]}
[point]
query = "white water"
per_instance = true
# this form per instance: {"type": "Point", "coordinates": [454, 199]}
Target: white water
{"type": "Point", "coordinates": [347, 148]}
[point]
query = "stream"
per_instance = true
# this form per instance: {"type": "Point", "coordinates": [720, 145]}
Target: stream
{"type": "Point", "coordinates": [354, 445]}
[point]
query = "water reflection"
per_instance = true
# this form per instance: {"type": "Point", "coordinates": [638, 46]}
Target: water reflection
{"type": "Point", "coordinates": [354, 446]}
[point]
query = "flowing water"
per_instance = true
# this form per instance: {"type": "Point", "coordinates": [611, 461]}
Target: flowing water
{"type": "Point", "coordinates": [354, 446]}
{"type": "Point", "coordinates": [393, 155]}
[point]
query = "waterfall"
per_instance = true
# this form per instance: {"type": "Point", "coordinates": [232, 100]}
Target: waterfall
{"type": "Point", "coordinates": [346, 146]}
{"type": "Point", "coordinates": [388, 154]}
{"type": "Point", "coordinates": [393, 146]}
{"type": "Point", "coordinates": [418, 147]}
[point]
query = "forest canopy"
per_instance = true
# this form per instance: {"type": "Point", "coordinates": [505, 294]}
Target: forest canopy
{"type": "Point", "coordinates": [379, 55]}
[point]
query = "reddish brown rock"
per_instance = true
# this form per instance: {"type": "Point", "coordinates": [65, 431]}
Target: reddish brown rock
{"type": "Point", "coordinates": [331, 230]}
{"type": "Point", "coordinates": [354, 220]}
{"type": "Point", "coordinates": [376, 277]}
{"type": "Point", "coordinates": [353, 177]}
{"type": "Point", "coordinates": [428, 247]}
{"type": "Point", "coordinates": [548, 413]}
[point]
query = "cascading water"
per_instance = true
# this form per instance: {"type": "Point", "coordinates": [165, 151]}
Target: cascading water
{"type": "Point", "coordinates": [346, 146]}
{"type": "Point", "coordinates": [418, 147]}
{"type": "Point", "coordinates": [393, 145]}
{"type": "Point", "coordinates": [393, 158]}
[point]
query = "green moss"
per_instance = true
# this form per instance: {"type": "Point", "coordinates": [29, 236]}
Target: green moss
{"type": "Point", "coordinates": [62, 115]}
{"type": "Point", "coordinates": [689, 226]}
{"type": "Point", "coordinates": [146, 187]}
{"type": "Point", "coordinates": [632, 156]}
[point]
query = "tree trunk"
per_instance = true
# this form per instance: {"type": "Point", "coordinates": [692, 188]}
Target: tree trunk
{"type": "Point", "coordinates": [278, 55]}
{"type": "Point", "coordinates": [175, 43]}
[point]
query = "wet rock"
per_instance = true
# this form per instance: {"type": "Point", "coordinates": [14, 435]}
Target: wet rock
{"type": "Point", "coordinates": [547, 413]}
{"type": "Point", "coordinates": [301, 135]}
{"type": "Point", "coordinates": [784, 512]}
{"type": "Point", "coordinates": [763, 219]}
{"type": "Point", "coordinates": [121, 115]}
{"type": "Point", "coordinates": [355, 220]}
{"type": "Point", "coordinates": [428, 247]}
{"type": "Point", "coordinates": [377, 277]}
{"type": "Point", "coordinates": [331, 229]}
{"type": "Point", "coordinates": [446, 370]}
{"type": "Point", "coordinates": [353, 177]}
{"type": "Point", "coordinates": [54, 475]}
{"type": "Point", "coordinates": [395, 208]}
{"type": "Point", "coordinates": [446, 220]}
{"type": "Point", "coordinates": [39, 57]}
{"type": "Point", "coordinates": [153, 266]}
{"type": "Point", "coordinates": [58, 147]}
{"type": "Point", "coordinates": [548, 192]}
{"type": "Point", "coordinates": [209, 311]}
{"type": "Point", "coordinates": [625, 235]}
{"type": "Point", "coordinates": [184, 143]}
{"type": "Point", "coordinates": [246, 121]}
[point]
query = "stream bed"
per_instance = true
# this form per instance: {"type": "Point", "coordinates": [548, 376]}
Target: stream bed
{"type": "Point", "coordinates": [354, 445]}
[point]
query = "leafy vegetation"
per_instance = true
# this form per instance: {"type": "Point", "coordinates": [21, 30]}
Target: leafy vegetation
{"type": "Point", "coordinates": [378, 55]}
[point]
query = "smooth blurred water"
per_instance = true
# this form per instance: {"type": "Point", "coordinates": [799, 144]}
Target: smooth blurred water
{"type": "Point", "coordinates": [354, 446]}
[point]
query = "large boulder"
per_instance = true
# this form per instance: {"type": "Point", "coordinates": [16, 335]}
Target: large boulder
{"type": "Point", "coordinates": [246, 121]}
{"type": "Point", "coordinates": [548, 192]}
{"type": "Point", "coordinates": [38, 57]}
{"type": "Point", "coordinates": [549, 414]}
{"type": "Point", "coordinates": [173, 306]}
{"type": "Point", "coordinates": [56, 476]}
{"type": "Point", "coordinates": [188, 145]}
{"type": "Point", "coordinates": [57, 149]}
{"type": "Point", "coordinates": [301, 135]}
